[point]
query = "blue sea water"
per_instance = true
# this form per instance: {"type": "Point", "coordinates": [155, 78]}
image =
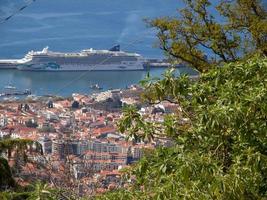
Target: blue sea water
{"type": "Point", "coordinates": [67, 83]}
{"type": "Point", "coordinates": [73, 25]}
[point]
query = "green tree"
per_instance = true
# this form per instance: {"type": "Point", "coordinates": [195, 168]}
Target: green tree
{"type": "Point", "coordinates": [6, 179]}
{"type": "Point", "coordinates": [11, 149]}
{"type": "Point", "coordinates": [220, 130]}
{"type": "Point", "coordinates": [237, 30]}
{"type": "Point", "coordinates": [18, 146]}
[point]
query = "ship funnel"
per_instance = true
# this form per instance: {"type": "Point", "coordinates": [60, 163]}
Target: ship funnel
{"type": "Point", "coordinates": [115, 48]}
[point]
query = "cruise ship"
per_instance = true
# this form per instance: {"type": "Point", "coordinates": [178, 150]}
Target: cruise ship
{"type": "Point", "coordinates": [86, 60]}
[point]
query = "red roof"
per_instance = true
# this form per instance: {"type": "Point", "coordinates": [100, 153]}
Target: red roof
{"type": "Point", "coordinates": [107, 129]}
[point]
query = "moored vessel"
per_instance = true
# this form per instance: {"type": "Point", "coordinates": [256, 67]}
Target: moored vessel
{"type": "Point", "coordinates": [86, 60]}
{"type": "Point", "coordinates": [10, 90]}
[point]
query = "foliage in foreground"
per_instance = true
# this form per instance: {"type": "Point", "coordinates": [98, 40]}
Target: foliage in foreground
{"type": "Point", "coordinates": [38, 191]}
{"type": "Point", "coordinates": [226, 31]}
{"type": "Point", "coordinates": [20, 147]}
{"type": "Point", "coordinates": [220, 133]}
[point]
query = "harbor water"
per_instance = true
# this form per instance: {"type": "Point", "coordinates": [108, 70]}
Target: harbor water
{"type": "Point", "coordinates": [66, 83]}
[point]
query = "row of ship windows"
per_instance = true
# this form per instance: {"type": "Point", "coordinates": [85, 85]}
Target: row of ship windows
{"type": "Point", "coordinates": [86, 58]}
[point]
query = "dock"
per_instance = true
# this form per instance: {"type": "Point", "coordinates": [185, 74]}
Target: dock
{"type": "Point", "coordinates": [10, 90]}
{"type": "Point", "coordinates": [158, 63]}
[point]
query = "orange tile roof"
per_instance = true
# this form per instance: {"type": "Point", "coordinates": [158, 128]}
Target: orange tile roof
{"type": "Point", "coordinates": [107, 129]}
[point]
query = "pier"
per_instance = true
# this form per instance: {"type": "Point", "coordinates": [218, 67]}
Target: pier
{"type": "Point", "coordinates": [158, 63]}
{"type": "Point", "coordinates": [10, 90]}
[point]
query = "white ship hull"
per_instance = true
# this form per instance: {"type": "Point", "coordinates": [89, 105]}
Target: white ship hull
{"type": "Point", "coordinates": [73, 67]}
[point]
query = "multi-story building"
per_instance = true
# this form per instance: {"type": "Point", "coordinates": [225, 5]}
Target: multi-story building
{"type": "Point", "coordinates": [3, 121]}
{"type": "Point", "coordinates": [46, 144]}
{"type": "Point", "coordinates": [94, 162]}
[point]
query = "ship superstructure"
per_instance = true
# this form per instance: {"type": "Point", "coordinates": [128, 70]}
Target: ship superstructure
{"type": "Point", "coordinates": [86, 60]}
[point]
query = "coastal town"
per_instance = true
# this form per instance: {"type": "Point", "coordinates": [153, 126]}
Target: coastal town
{"type": "Point", "coordinates": [133, 100]}
{"type": "Point", "coordinates": [81, 147]}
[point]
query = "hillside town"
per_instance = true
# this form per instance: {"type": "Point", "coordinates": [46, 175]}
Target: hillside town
{"type": "Point", "coordinates": [81, 145]}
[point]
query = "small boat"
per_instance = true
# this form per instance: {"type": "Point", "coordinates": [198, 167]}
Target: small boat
{"type": "Point", "coordinates": [96, 87]}
{"type": "Point", "coordinates": [10, 90]}
{"type": "Point", "coordinates": [10, 87]}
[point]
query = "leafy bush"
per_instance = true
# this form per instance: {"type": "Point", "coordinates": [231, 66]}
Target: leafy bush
{"type": "Point", "coordinates": [220, 133]}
